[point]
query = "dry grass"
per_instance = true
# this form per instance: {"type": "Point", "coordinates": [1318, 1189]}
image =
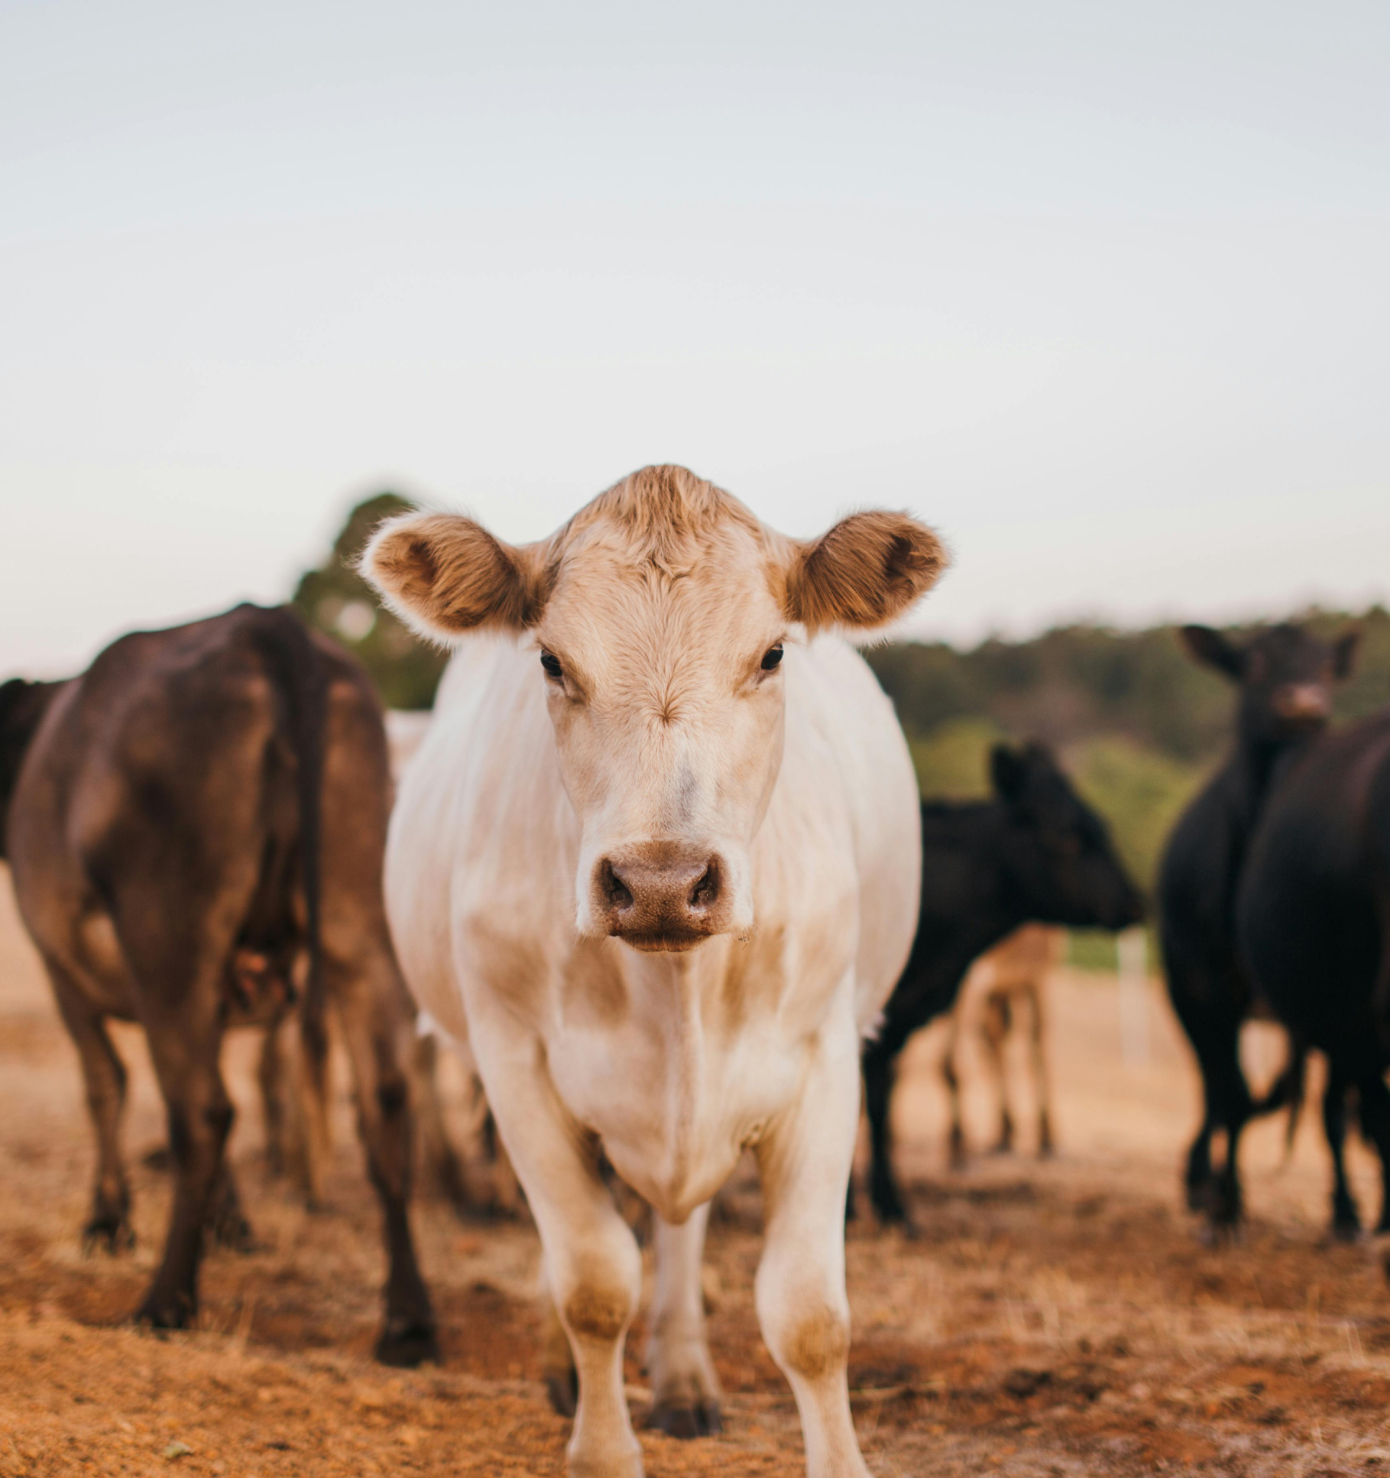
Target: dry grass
{"type": "Point", "coordinates": [1051, 1319]}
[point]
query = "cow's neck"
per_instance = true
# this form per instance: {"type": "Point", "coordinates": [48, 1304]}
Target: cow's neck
{"type": "Point", "coordinates": [1256, 767]}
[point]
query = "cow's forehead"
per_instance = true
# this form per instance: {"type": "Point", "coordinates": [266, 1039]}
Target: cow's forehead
{"type": "Point", "coordinates": [663, 575]}
{"type": "Point", "coordinates": [704, 597]}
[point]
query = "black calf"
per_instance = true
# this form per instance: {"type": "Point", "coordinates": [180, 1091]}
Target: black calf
{"type": "Point", "coordinates": [1036, 852]}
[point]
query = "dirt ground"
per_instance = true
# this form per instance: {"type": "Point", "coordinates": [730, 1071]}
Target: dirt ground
{"type": "Point", "coordinates": [1059, 1318]}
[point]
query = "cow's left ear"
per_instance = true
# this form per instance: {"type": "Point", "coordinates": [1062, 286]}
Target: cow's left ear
{"type": "Point", "coordinates": [866, 571]}
{"type": "Point", "coordinates": [443, 574]}
{"type": "Point", "coordinates": [1344, 651]}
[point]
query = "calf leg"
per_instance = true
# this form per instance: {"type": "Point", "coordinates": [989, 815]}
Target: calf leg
{"type": "Point", "coordinates": [104, 1074]}
{"type": "Point", "coordinates": [880, 1067]}
{"type": "Point", "coordinates": [1346, 1220]}
{"type": "Point", "coordinates": [951, 1078]}
{"type": "Point", "coordinates": [1042, 1076]}
{"type": "Point", "coordinates": [368, 1006]}
{"type": "Point", "coordinates": [270, 1079]}
{"type": "Point", "coordinates": [800, 1291]}
{"type": "Point", "coordinates": [1228, 1107]}
{"type": "Point", "coordinates": [685, 1389]}
{"type": "Point", "coordinates": [994, 1032]}
{"type": "Point", "coordinates": [1375, 1121]}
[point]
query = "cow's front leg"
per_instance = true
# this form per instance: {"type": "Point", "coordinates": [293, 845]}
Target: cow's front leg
{"type": "Point", "coordinates": [685, 1389]}
{"type": "Point", "coordinates": [805, 1160]}
{"type": "Point", "coordinates": [593, 1270]}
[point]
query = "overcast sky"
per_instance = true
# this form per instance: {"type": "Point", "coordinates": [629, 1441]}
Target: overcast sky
{"type": "Point", "coordinates": [1101, 290]}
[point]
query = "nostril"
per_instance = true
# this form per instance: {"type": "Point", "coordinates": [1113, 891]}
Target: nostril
{"type": "Point", "coordinates": [706, 890]}
{"type": "Point", "coordinates": [615, 891]}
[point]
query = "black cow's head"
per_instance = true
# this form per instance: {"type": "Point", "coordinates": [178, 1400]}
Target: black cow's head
{"type": "Point", "coordinates": [1059, 863]}
{"type": "Point", "coordinates": [1285, 675]}
{"type": "Point", "coordinates": [22, 705]}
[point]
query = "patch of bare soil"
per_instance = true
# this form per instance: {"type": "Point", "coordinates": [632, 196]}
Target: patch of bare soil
{"type": "Point", "coordinates": [1050, 1318]}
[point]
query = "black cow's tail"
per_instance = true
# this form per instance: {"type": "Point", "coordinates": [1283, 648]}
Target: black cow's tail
{"type": "Point", "coordinates": [297, 671]}
{"type": "Point", "coordinates": [1288, 1091]}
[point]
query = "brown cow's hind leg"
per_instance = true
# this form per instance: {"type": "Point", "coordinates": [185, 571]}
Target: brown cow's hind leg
{"type": "Point", "coordinates": [185, 1055]}
{"type": "Point", "coordinates": [372, 1023]}
{"type": "Point", "coordinates": [104, 1074]}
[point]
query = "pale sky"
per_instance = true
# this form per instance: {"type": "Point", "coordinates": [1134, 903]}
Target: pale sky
{"type": "Point", "coordinates": [1102, 291]}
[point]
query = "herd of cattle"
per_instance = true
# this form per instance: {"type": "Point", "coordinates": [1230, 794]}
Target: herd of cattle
{"type": "Point", "coordinates": [659, 872]}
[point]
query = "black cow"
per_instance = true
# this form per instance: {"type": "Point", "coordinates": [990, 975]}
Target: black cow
{"type": "Point", "coordinates": [1036, 852]}
{"type": "Point", "coordinates": [1313, 922]}
{"type": "Point", "coordinates": [199, 811]}
{"type": "Point", "coordinates": [1284, 676]}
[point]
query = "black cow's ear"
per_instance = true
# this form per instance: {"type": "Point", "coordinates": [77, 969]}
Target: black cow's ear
{"type": "Point", "coordinates": [1008, 771]}
{"type": "Point", "coordinates": [1213, 648]}
{"type": "Point", "coordinates": [1344, 651]}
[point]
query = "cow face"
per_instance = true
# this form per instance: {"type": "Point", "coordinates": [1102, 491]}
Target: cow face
{"type": "Point", "coordinates": [1285, 675]}
{"type": "Point", "coordinates": [1056, 852]}
{"type": "Point", "coordinates": [660, 615]}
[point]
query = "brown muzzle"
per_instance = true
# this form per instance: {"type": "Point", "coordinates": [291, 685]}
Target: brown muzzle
{"type": "Point", "coordinates": [661, 895]}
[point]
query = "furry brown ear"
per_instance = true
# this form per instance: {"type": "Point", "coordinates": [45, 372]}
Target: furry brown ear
{"type": "Point", "coordinates": [864, 572]}
{"type": "Point", "coordinates": [444, 575]}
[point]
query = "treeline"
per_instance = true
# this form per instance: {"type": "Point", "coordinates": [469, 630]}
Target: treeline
{"type": "Point", "coordinates": [1136, 721]}
{"type": "Point", "coordinates": [1076, 682]}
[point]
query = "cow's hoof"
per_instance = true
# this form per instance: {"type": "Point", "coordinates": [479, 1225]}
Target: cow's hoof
{"type": "Point", "coordinates": [686, 1420]}
{"type": "Point", "coordinates": [158, 1312]}
{"type": "Point", "coordinates": [889, 1208]}
{"type": "Point", "coordinates": [625, 1463]}
{"type": "Point", "coordinates": [109, 1233]}
{"type": "Point", "coordinates": [233, 1232]}
{"type": "Point", "coordinates": [1219, 1231]}
{"type": "Point", "coordinates": [562, 1387]}
{"type": "Point", "coordinates": [408, 1342]}
{"type": "Point", "coordinates": [1380, 1249]}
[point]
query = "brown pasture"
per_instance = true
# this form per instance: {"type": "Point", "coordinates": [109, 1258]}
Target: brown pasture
{"type": "Point", "coordinates": [1051, 1319]}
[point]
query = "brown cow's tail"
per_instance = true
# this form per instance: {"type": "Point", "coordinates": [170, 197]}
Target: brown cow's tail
{"type": "Point", "coordinates": [297, 671]}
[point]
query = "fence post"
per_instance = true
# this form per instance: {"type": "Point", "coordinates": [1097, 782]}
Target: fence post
{"type": "Point", "coordinates": [1132, 949]}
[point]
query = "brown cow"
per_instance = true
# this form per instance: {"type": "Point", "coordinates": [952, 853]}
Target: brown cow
{"type": "Point", "coordinates": [197, 810]}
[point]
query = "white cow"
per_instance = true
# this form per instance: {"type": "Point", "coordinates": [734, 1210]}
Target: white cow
{"type": "Point", "coordinates": [658, 862]}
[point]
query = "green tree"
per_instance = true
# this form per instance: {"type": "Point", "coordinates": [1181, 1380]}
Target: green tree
{"type": "Point", "coordinates": [338, 601]}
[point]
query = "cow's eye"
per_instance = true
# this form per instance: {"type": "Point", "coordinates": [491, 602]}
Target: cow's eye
{"type": "Point", "coordinates": [772, 657]}
{"type": "Point", "coordinates": [551, 663]}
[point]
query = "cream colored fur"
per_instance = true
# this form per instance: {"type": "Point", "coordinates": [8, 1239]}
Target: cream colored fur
{"type": "Point", "coordinates": [661, 599]}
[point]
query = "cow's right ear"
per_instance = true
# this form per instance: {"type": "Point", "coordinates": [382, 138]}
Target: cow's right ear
{"type": "Point", "coordinates": [865, 572]}
{"type": "Point", "coordinates": [1212, 648]}
{"type": "Point", "coordinates": [1008, 772]}
{"type": "Point", "coordinates": [1344, 651]}
{"type": "Point", "coordinates": [445, 575]}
